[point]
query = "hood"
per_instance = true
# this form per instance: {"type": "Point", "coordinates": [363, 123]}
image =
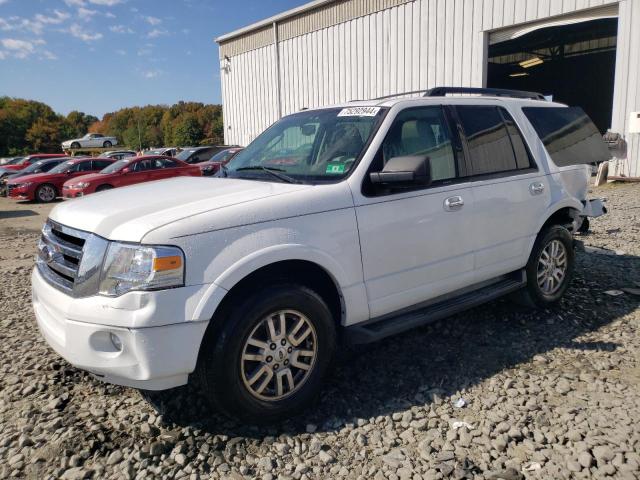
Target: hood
{"type": "Point", "coordinates": [37, 177]}
{"type": "Point", "coordinates": [89, 178]}
{"type": "Point", "coordinates": [11, 168]}
{"type": "Point", "coordinates": [128, 213]}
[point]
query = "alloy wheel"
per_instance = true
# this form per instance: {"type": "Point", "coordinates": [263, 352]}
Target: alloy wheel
{"type": "Point", "coordinates": [552, 267]}
{"type": "Point", "coordinates": [46, 193]}
{"type": "Point", "coordinates": [278, 355]}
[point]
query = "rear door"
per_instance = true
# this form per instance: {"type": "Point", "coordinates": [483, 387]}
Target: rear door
{"type": "Point", "coordinates": [510, 192]}
{"type": "Point", "coordinates": [416, 243]}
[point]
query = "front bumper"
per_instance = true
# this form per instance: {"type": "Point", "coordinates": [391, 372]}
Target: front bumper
{"type": "Point", "coordinates": [150, 358]}
{"type": "Point", "coordinates": [68, 193]}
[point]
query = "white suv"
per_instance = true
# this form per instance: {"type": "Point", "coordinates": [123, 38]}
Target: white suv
{"type": "Point", "coordinates": [340, 224]}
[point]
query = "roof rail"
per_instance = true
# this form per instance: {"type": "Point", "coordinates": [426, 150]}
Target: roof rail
{"type": "Point", "coordinates": [494, 92]}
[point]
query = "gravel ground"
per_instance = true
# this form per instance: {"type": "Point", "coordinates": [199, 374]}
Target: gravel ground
{"type": "Point", "coordinates": [497, 392]}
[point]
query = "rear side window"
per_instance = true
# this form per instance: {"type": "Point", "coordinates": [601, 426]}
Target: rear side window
{"type": "Point", "coordinates": [568, 134]}
{"type": "Point", "coordinates": [523, 158]}
{"type": "Point", "coordinates": [489, 144]}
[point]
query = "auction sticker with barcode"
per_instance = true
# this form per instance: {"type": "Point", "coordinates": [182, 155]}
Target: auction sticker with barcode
{"type": "Point", "coordinates": [359, 112]}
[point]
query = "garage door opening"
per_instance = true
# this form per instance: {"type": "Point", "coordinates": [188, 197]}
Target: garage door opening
{"type": "Point", "coordinates": [574, 64]}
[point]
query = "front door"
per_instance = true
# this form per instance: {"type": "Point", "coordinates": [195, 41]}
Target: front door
{"type": "Point", "coordinates": [416, 244]}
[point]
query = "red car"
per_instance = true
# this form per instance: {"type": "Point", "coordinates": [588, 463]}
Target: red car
{"type": "Point", "coordinates": [45, 187]}
{"type": "Point", "coordinates": [211, 166]}
{"type": "Point", "coordinates": [129, 171]}
{"type": "Point", "coordinates": [26, 161]}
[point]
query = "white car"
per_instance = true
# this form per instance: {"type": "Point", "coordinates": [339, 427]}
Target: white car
{"type": "Point", "coordinates": [90, 140]}
{"type": "Point", "coordinates": [340, 224]}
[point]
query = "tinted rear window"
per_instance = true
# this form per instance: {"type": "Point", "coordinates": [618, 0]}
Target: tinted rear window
{"type": "Point", "coordinates": [568, 134]}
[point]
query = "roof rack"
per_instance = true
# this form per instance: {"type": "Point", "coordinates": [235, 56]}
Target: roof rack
{"type": "Point", "coordinates": [494, 92]}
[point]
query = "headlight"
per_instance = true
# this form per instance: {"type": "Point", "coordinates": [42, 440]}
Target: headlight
{"type": "Point", "coordinates": [24, 185]}
{"type": "Point", "coordinates": [139, 267]}
{"type": "Point", "coordinates": [81, 185]}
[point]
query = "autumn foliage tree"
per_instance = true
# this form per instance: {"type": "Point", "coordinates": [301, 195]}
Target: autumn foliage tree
{"type": "Point", "coordinates": [27, 126]}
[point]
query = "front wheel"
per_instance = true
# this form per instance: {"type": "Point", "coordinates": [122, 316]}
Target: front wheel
{"type": "Point", "coordinates": [267, 360]}
{"type": "Point", "coordinates": [550, 268]}
{"type": "Point", "coordinates": [107, 144]}
{"type": "Point", "coordinates": [75, 145]}
{"type": "Point", "coordinates": [46, 193]}
{"type": "Point", "coordinates": [103, 188]}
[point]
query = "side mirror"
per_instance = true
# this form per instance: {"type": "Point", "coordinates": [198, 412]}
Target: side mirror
{"type": "Point", "coordinates": [404, 172]}
{"type": "Point", "coordinates": [126, 170]}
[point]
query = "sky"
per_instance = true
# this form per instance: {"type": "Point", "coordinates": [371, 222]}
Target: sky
{"type": "Point", "coordinates": [97, 56]}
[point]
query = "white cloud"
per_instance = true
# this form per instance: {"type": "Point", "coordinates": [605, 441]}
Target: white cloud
{"type": "Point", "coordinates": [74, 3]}
{"type": "Point", "coordinates": [109, 15]}
{"type": "Point", "coordinates": [18, 48]}
{"type": "Point", "coordinates": [121, 52]}
{"type": "Point", "coordinates": [36, 25]}
{"type": "Point", "coordinates": [79, 32]}
{"type": "Point", "coordinates": [153, 20]}
{"type": "Point", "coordinates": [155, 33]}
{"type": "Point", "coordinates": [47, 55]}
{"type": "Point", "coordinates": [3, 2]}
{"type": "Point", "coordinates": [86, 13]}
{"type": "Point", "coordinates": [120, 29]}
{"type": "Point", "coordinates": [152, 73]}
{"type": "Point", "coordinates": [108, 3]}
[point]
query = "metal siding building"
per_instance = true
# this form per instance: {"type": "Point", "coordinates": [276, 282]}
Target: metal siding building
{"type": "Point", "coordinates": [331, 51]}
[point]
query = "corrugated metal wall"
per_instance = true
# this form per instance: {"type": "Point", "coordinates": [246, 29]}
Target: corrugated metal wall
{"type": "Point", "coordinates": [416, 45]}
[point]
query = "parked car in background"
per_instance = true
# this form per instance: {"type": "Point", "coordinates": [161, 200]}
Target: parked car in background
{"type": "Point", "coordinates": [128, 171]}
{"type": "Point", "coordinates": [211, 166]}
{"type": "Point", "coordinates": [21, 163]}
{"type": "Point", "coordinates": [6, 160]}
{"type": "Point", "coordinates": [164, 152]}
{"type": "Point", "coordinates": [46, 187]}
{"type": "Point", "coordinates": [90, 140]}
{"type": "Point", "coordinates": [118, 154]}
{"type": "Point", "coordinates": [200, 154]}
{"type": "Point", "coordinates": [41, 166]}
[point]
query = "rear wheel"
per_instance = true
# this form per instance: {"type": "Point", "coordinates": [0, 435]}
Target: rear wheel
{"type": "Point", "coordinates": [102, 188]}
{"type": "Point", "coordinates": [46, 193]}
{"type": "Point", "coordinates": [550, 268]}
{"type": "Point", "coordinates": [107, 144]}
{"type": "Point", "coordinates": [267, 360]}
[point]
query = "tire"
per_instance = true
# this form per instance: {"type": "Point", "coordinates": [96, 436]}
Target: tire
{"type": "Point", "coordinates": [75, 145]}
{"type": "Point", "coordinates": [103, 188]}
{"type": "Point", "coordinates": [46, 193]}
{"type": "Point", "coordinates": [584, 226]}
{"type": "Point", "coordinates": [231, 371]}
{"type": "Point", "coordinates": [541, 292]}
{"type": "Point", "coordinates": [107, 144]}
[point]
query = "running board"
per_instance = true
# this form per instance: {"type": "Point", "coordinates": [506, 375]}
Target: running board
{"type": "Point", "coordinates": [378, 329]}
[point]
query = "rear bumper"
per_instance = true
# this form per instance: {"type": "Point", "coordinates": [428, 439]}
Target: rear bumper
{"type": "Point", "coordinates": [593, 208]}
{"type": "Point", "coordinates": [151, 358]}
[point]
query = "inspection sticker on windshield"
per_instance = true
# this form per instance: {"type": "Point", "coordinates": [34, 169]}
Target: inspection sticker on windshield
{"type": "Point", "coordinates": [359, 112]}
{"type": "Point", "coordinates": [336, 168]}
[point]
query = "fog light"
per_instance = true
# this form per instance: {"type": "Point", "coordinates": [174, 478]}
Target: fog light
{"type": "Point", "coordinates": [116, 341]}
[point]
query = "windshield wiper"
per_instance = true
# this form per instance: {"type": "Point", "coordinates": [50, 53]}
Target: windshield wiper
{"type": "Point", "coordinates": [273, 171]}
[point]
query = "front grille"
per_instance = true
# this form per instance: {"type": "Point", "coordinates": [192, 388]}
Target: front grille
{"type": "Point", "coordinates": [70, 259]}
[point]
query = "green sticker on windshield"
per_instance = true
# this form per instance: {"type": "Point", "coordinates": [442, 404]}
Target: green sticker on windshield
{"type": "Point", "coordinates": [335, 168]}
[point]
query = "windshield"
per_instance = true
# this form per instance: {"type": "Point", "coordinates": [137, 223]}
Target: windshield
{"type": "Point", "coordinates": [223, 155]}
{"type": "Point", "coordinates": [15, 161]}
{"type": "Point", "coordinates": [320, 145]}
{"type": "Point", "coordinates": [115, 166]}
{"type": "Point", "coordinates": [185, 154]}
{"type": "Point", "coordinates": [158, 151]}
{"type": "Point", "coordinates": [64, 167]}
{"type": "Point", "coordinates": [34, 167]}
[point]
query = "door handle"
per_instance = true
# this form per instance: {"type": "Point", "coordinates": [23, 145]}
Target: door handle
{"type": "Point", "coordinates": [536, 188]}
{"type": "Point", "coordinates": [454, 203]}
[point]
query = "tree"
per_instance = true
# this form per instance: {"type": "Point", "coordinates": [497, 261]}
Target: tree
{"type": "Point", "coordinates": [44, 136]}
{"type": "Point", "coordinates": [187, 131]}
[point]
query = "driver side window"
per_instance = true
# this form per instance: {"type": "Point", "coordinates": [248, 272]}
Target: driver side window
{"type": "Point", "coordinates": [422, 131]}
